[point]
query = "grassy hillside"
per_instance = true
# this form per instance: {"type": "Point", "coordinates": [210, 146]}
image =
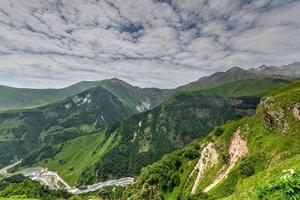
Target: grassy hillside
{"type": "Point", "coordinates": [187, 115]}
{"type": "Point", "coordinates": [75, 155]}
{"type": "Point", "coordinates": [242, 159]}
{"type": "Point", "coordinates": [37, 133]}
{"type": "Point", "coordinates": [146, 137]}
{"type": "Point", "coordinates": [249, 87]}
{"type": "Point", "coordinates": [237, 82]}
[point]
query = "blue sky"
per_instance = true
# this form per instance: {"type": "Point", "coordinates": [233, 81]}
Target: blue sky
{"type": "Point", "coordinates": [161, 43]}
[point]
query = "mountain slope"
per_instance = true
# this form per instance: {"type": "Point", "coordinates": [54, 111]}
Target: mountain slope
{"type": "Point", "coordinates": [232, 75]}
{"type": "Point", "coordinates": [146, 137]}
{"type": "Point", "coordinates": [14, 98]}
{"type": "Point", "coordinates": [242, 159]}
{"type": "Point", "coordinates": [40, 129]}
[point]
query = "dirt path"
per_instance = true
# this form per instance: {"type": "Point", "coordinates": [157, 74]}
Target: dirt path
{"type": "Point", "coordinates": [4, 170]}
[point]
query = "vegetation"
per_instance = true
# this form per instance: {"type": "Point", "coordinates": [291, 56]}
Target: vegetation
{"type": "Point", "coordinates": [286, 187]}
{"type": "Point", "coordinates": [272, 148]}
{"type": "Point", "coordinates": [96, 135]}
{"type": "Point", "coordinates": [19, 187]}
{"type": "Point", "coordinates": [75, 155]}
{"type": "Point", "coordinates": [147, 136]}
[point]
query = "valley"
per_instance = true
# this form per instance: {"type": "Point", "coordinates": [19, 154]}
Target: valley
{"type": "Point", "coordinates": [149, 100]}
{"type": "Point", "coordinates": [183, 143]}
{"type": "Point", "coordinates": [54, 181]}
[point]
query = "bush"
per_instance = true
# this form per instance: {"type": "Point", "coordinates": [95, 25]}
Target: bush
{"type": "Point", "coordinates": [247, 169]}
{"type": "Point", "coordinates": [191, 154]}
{"type": "Point", "coordinates": [218, 131]}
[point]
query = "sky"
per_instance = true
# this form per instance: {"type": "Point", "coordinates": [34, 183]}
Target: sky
{"type": "Point", "coordinates": [148, 43]}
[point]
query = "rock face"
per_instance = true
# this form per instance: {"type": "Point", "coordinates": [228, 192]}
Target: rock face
{"type": "Point", "coordinates": [295, 110]}
{"type": "Point", "coordinates": [208, 158]}
{"type": "Point", "coordinates": [274, 116]}
{"type": "Point", "coordinates": [237, 149]}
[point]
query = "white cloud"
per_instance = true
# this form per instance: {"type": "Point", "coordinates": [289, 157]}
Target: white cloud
{"type": "Point", "coordinates": [53, 43]}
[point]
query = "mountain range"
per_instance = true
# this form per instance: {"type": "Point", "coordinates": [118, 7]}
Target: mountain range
{"type": "Point", "coordinates": [96, 131]}
{"type": "Point", "coordinates": [292, 69]}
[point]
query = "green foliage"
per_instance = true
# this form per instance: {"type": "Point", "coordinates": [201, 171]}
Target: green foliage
{"type": "Point", "coordinates": [191, 153]}
{"type": "Point", "coordinates": [286, 187]}
{"type": "Point", "coordinates": [20, 186]}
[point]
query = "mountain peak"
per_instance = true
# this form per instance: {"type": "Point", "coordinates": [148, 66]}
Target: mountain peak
{"type": "Point", "coordinates": [292, 69]}
{"type": "Point", "coordinates": [236, 69]}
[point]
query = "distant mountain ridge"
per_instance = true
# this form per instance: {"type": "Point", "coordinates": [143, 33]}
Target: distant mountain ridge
{"type": "Point", "coordinates": [16, 98]}
{"type": "Point", "coordinates": [292, 70]}
{"type": "Point", "coordinates": [233, 74]}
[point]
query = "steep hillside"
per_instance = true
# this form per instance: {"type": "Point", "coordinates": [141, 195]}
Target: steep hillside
{"type": "Point", "coordinates": [39, 130]}
{"type": "Point", "coordinates": [146, 137]}
{"type": "Point", "coordinates": [256, 157]}
{"type": "Point", "coordinates": [14, 98]}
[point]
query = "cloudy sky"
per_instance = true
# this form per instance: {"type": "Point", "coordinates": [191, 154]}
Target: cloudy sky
{"type": "Point", "coordinates": [162, 43]}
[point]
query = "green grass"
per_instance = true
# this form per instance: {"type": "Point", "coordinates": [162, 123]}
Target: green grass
{"type": "Point", "coordinates": [249, 87]}
{"type": "Point", "coordinates": [79, 153]}
{"type": "Point", "coordinates": [246, 188]}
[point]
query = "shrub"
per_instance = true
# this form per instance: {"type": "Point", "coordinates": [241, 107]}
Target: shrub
{"type": "Point", "coordinates": [247, 169]}
{"type": "Point", "coordinates": [191, 154]}
{"type": "Point", "coordinates": [218, 131]}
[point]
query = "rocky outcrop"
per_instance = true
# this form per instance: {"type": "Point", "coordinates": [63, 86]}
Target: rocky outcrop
{"type": "Point", "coordinates": [296, 110]}
{"type": "Point", "coordinates": [274, 116]}
{"type": "Point", "coordinates": [208, 158]}
{"type": "Point", "coordinates": [237, 149]}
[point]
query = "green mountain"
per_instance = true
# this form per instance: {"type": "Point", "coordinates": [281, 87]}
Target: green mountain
{"type": "Point", "coordinates": [98, 135]}
{"type": "Point", "coordinates": [40, 130]}
{"type": "Point", "coordinates": [84, 136]}
{"type": "Point", "coordinates": [26, 131]}
{"type": "Point", "coordinates": [144, 138]}
{"type": "Point", "coordinates": [256, 157]}
{"type": "Point", "coordinates": [233, 75]}
{"type": "Point", "coordinates": [15, 98]}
